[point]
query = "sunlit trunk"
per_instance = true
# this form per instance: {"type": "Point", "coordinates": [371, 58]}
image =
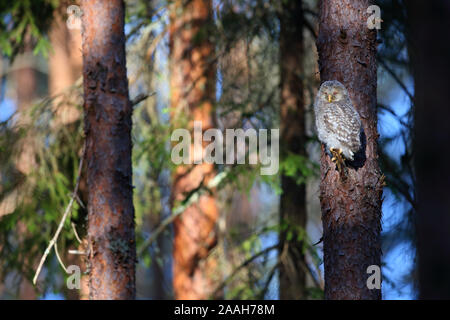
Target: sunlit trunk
{"type": "Point", "coordinates": [25, 78]}
{"type": "Point", "coordinates": [192, 96]}
{"type": "Point", "coordinates": [111, 239]}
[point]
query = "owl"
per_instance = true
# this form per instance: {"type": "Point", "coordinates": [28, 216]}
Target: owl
{"type": "Point", "coordinates": [337, 121]}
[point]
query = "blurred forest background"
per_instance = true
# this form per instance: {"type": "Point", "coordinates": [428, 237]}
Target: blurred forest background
{"type": "Point", "coordinates": [41, 142]}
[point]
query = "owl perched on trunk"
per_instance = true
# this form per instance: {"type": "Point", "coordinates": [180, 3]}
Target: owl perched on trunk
{"type": "Point", "coordinates": [338, 123]}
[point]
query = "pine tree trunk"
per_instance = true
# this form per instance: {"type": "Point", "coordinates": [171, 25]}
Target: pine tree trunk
{"type": "Point", "coordinates": [25, 77]}
{"type": "Point", "coordinates": [430, 23]}
{"type": "Point", "coordinates": [351, 208]}
{"type": "Point", "coordinates": [292, 121]}
{"type": "Point", "coordinates": [111, 240]}
{"type": "Point", "coordinates": [193, 95]}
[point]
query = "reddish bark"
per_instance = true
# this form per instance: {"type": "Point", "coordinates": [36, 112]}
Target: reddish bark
{"type": "Point", "coordinates": [25, 77]}
{"type": "Point", "coordinates": [292, 125]}
{"type": "Point", "coordinates": [351, 207]}
{"type": "Point", "coordinates": [111, 240]}
{"type": "Point", "coordinates": [193, 95]}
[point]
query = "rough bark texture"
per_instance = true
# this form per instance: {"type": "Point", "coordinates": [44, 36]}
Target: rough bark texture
{"type": "Point", "coordinates": [292, 123]}
{"type": "Point", "coordinates": [111, 240]}
{"type": "Point", "coordinates": [193, 94]}
{"type": "Point", "coordinates": [351, 207]}
{"type": "Point", "coordinates": [430, 23]}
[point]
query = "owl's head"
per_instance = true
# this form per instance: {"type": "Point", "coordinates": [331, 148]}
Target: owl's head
{"type": "Point", "coordinates": [332, 91]}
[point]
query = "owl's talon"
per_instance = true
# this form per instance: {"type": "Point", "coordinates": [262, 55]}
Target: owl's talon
{"type": "Point", "coordinates": [337, 158]}
{"type": "Point", "coordinates": [382, 180]}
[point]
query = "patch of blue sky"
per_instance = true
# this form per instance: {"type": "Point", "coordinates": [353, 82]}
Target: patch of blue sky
{"type": "Point", "coordinates": [52, 296]}
{"type": "Point", "coordinates": [400, 263]}
{"type": "Point", "coordinates": [399, 260]}
{"type": "Point", "coordinates": [7, 109]}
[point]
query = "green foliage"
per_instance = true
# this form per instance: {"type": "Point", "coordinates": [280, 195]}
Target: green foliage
{"type": "Point", "coordinates": [298, 167]}
{"type": "Point", "coordinates": [315, 293]}
{"type": "Point", "coordinates": [45, 192]}
{"type": "Point", "coordinates": [25, 23]}
{"type": "Point", "coordinates": [41, 195]}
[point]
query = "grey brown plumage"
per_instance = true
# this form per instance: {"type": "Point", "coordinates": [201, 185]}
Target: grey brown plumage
{"type": "Point", "coordinates": [337, 121]}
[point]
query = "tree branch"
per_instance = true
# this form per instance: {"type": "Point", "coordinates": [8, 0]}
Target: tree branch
{"type": "Point", "coordinates": [192, 198]}
{"type": "Point", "coordinates": [141, 97]}
{"type": "Point", "coordinates": [243, 265]}
{"type": "Point", "coordinates": [63, 219]}
{"type": "Point", "coordinates": [395, 77]}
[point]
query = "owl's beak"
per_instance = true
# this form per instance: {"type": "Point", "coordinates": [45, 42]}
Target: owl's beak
{"type": "Point", "coordinates": [330, 98]}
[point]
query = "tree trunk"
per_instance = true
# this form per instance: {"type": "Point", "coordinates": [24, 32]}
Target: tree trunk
{"type": "Point", "coordinates": [64, 69]}
{"type": "Point", "coordinates": [64, 64]}
{"type": "Point", "coordinates": [25, 77]}
{"type": "Point", "coordinates": [111, 240]}
{"type": "Point", "coordinates": [430, 23]}
{"type": "Point", "coordinates": [292, 123]}
{"type": "Point", "coordinates": [193, 95]}
{"type": "Point", "coordinates": [234, 66]}
{"type": "Point", "coordinates": [351, 207]}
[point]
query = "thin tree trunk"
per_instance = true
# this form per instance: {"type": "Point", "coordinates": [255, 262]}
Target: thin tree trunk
{"type": "Point", "coordinates": [234, 66]}
{"type": "Point", "coordinates": [64, 64]}
{"type": "Point", "coordinates": [430, 23]}
{"type": "Point", "coordinates": [351, 207]}
{"type": "Point", "coordinates": [25, 77]}
{"type": "Point", "coordinates": [111, 240]}
{"type": "Point", "coordinates": [26, 82]}
{"type": "Point", "coordinates": [292, 123]}
{"type": "Point", "coordinates": [193, 94]}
